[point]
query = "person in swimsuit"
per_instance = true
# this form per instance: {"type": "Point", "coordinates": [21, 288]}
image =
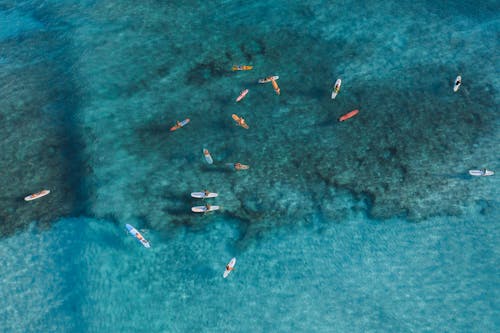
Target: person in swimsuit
{"type": "Point", "coordinates": [206, 193]}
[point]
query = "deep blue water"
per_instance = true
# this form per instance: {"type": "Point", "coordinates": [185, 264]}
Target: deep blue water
{"type": "Point", "coordinates": [370, 225]}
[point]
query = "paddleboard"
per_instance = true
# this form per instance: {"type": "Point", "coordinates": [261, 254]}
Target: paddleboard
{"type": "Point", "coordinates": [204, 209]}
{"type": "Point", "coordinates": [276, 87]}
{"type": "Point", "coordinates": [242, 68]}
{"type": "Point", "coordinates": [458, 82]}
{"type": "Point", "coordinates": [201, 195]}
{"type": "Point", "coordinates": [238, 166]}
{"type": "Point", "coordinates": [349, 115]}
{"type": "Point", "coordinates": [481, 173]}
{"type": "Point", "coordinates": [229, 268]}
{"type": "Point", "coordinates": [37, 195]}
{"type": "Point", "coordinates": [133, 231]}
{"type": "Point", "coordinates": [269, 79]}
{"type": "Point", "coordinates": [242, 94]}
{"type": "Point", "coordinates": [240, 121]}
{"type": "Point", "coordinates": [180, 124]}
{"type": "Point", "coordinates": [336, 88]}
{"type": "Point", "coordinates": [208, 157]}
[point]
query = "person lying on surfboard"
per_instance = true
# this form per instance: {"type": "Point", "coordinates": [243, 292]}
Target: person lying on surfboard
{"type": "Point", "coordinates": [241, 122]}
{"type": "Point", "coordinates": [229, 268]}
{"type": "Point", "coordinates": [238, 166]}
{"type": "Point", "coordinates": [207, 206]}
{"type": "Point", "coordinates": [206, 193]}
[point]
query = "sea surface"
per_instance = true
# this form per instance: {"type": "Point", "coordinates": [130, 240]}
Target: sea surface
{"type": "Point", "coordinates": [367, 225]}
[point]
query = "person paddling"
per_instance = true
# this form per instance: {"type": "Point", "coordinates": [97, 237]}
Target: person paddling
{"type": "Point", "coordinates": [239, 166]}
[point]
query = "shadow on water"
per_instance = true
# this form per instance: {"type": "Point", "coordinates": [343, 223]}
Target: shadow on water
{"type": "Point", "coordinates": [40, 101]}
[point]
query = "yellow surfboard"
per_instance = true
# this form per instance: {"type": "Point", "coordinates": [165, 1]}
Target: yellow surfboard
{"type": "Point", "coordinates": [242, 68]}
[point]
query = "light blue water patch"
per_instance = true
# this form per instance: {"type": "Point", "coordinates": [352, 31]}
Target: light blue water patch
{"type": "Point", "coordinates": [42, 280]}
{"type": "Point", "coordinates": [359, 276]}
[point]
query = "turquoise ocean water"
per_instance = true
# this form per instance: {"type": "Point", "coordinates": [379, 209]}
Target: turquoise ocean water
{"type": "Point", "coordinates": [371, 225]}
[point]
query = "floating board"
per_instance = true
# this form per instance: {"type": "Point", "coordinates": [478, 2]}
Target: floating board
{"type": "Point", "coordinates": [349, 115]}
{"type": "Point", "coordinates": [481, 173]}
{"type": "Point", "coordinates": [181, 124]}
{"type": "Point", "coordinates": [133, 231]}
{"type": "Point", "coordinates": [269, 79]}
{"type": "Point", "coordinates": [203, 209]}
{"type": "Point", "coordinates": [276, 87]}
{"type": "Point", "coordinates": [240, 121]}
{"type": "Point", "coordinates": [201, 195]}
{"type": "Point", "coordinates": [242, 94]}
{"type": "Point", "coordinates": [208, 157]}
{"type": "Point", "coordinates": [229, 268]}
{"type": "Point", "coordinates": [458, 82]}
{"type": "Point", "coordinates": [37, 195]}
{"type": "Point", "coordinates": [239, 167]}
{"type": "Point", "coordinates": [242, 68]}
{"type": "Point", "coordinates": [336, 88]}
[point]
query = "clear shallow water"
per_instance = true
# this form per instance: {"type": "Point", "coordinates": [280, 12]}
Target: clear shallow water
{"type": "Point", "coordinates": [95, 87]}
{"type": "Point", "coordinates": [88, 276]}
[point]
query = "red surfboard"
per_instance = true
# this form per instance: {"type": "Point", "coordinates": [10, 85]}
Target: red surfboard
{"type": "Point", "coordinates": [349, 115]}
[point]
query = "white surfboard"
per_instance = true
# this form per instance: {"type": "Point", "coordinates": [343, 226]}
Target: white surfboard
{"type": "Point", "coordinates": [37, 195]}
{"type": "Point", "coordinates": [458, 82]}
{"type": "Point", "coordinates": [204, 209]}
{"type": "Point", "coordinates": [269, 79]}
{"type": "Point", "coordinates": [208, 157]}
{"type": "Point", "coordinates": [202, 195]}
{"type": "Point", "coordinates": [336, 88]}
{"type": "Point", "coordinates": [481, 172]}
{"type": "Point", "coordinates": [229, 267]}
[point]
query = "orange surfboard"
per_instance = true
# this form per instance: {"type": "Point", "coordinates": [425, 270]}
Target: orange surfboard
{"type": "Point", "coordinates": [240, 121]}
{"type": "Point", "coordinates": [349, 115]}
{"type": "Point", "coordinates": [276, 87]}
{"type": "Point", "coordinates": [242, 68]}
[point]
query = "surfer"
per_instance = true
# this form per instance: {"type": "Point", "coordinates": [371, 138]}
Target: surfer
{"type": "Point", "coordinates": [208, 206]}
{"type": "Point", "coordinates": [238, 166]}
{"type": "Point", "coordinates": [206, 193]}
{"type": "Point", "coordinates": [229, 268]}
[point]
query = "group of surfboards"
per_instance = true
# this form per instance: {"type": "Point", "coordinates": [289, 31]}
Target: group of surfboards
{"type": "Point", "coordinates": [238, 166]}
